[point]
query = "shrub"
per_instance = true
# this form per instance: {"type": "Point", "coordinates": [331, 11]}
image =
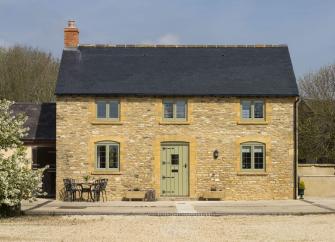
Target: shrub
{"type": "Point", "coordinates": [17, 180]}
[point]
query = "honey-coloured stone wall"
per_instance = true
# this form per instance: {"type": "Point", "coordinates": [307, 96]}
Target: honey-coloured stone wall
{"type": "Point", "coordinates": [213, 124]}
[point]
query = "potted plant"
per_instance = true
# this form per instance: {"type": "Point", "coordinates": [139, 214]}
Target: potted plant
{"type": "Point", "coordinates": [86, 178]}
{"type": "Point", "coordinates": [301, 189]}
{"type": "Point", "coordinates": [214, 192]}
{"type": "Point", "coordinates": [135, 192]}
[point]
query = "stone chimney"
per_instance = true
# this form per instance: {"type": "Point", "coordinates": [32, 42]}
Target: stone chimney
{"type": "Point", "coordinates": [71, 35]}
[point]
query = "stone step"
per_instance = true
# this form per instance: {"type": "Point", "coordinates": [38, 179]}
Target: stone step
{"type": "Point", "coordinates": [176, 199]}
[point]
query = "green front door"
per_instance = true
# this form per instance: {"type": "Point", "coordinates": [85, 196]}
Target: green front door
{"type": "Point", "coordinates": [174, 169]}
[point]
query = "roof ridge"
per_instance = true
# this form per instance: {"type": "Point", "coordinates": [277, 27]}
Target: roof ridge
{"type": "Point", "coordinates": [180, 46]}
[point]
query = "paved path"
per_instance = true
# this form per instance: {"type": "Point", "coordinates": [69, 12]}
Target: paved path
{"type": "Point", "coordinates": [185, 207]}
{"type": "Point", "coordinates": [192, 208]}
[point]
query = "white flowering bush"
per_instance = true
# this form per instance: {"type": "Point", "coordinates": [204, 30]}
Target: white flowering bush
{"type": "Point", "coordinates": [17, 180]}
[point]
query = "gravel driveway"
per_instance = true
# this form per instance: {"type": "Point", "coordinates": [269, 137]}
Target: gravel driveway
{"type": "Point", "coordinates": [182, 228]}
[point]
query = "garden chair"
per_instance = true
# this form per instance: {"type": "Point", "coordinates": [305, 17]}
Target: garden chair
{"type": "Point", "coordinates": [71, 189]}
{"type": "Point", "coordinates": [96, 190]}
{"type": "Point", "coordinates": [103, 185]}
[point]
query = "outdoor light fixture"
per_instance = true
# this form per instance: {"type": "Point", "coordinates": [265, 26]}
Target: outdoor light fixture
{"type": "Point", "coordinates": [216, 154]}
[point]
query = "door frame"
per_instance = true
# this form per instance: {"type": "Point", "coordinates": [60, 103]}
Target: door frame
{"type": "Point", "coordinates": [191, 162]}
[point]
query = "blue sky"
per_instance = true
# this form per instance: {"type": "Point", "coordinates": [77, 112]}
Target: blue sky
{"type": "Point", "coordinates": [307, 26]}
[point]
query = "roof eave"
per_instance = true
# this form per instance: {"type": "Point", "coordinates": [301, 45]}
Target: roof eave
{"type": "Point", "coordinates": [177, 95]}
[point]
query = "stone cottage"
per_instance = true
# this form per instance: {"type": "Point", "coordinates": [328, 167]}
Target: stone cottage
{"type": "Point", "coordinates": [179, 119]}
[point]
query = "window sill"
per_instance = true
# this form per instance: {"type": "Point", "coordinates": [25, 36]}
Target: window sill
{"type": "Point", "coordinates": [174, 122]}
{"type": "Point", "coordinates": [252, 173]}
{"type": "Point", "coordinates": [106, 172]}
{"type": "Point", "coordinates": [106, 122]}
{"type": "Point", "coordinates": [253, 122]}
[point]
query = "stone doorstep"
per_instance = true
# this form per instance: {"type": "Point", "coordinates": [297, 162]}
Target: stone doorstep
{"type": "Point", "coordinates": [177, 199]}
{"type": "Point", "coordinates": [184, 207]}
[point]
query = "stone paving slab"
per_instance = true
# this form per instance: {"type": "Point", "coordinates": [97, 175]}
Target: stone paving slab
{"type": "Point", "coordinates": [185, 207]}
{"type": "Point", "coordinates": [263, 210]}
{"type": "Point", "coordinates": [179, 208]}
{"type": "Point", "coordinates": [100, 211]}
{"type": "Point", "coordinates": [259, 207]}
{"type": "Point", "coordinates": [327, 203]}
{"type": "Point", "coordinates": [54, 203]}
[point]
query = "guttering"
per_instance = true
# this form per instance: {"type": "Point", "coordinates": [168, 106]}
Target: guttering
{"type": "Point", "coordinates": [162, 94]}
{"type": "Point", "coordinates": [33, 142]}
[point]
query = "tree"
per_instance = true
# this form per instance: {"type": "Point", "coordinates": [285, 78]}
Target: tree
{"type": "Point", "coordinates": [317, 115]}
{"type": "Point", "coordinates": [17, 180]}
{"type": "Point", "coordinates": [27, 74]}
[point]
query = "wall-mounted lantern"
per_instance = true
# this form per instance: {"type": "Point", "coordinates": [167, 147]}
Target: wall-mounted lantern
{"type": "Point", "coordinates": [215, 154]}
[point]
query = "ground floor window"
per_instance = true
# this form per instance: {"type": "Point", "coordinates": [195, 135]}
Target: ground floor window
{"type": "Point", "coordinates": [253, 156]}
{"type": "Point", "coordinates": [108, 156]}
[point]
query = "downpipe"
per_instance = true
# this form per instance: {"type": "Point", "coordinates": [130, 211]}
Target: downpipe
{"type": "Point", "coordinates": [295, 166]}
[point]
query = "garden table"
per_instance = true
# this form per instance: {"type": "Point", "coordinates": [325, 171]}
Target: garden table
{"type": "Point", "coordinates": [86, 187]}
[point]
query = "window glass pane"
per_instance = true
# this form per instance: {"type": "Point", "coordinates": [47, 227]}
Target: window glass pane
{"type": "Point", "coordinates": [258, 107]}
{"type": "Point", "coordinates": [246, 109]}
{"type": "Point", "coordinates": [181, 109]}
{"type": "Point", "coordinates": [114, 109]}
{"type": "Point", "coordinates": [174, 159]}
{"type": "Point", "coordinates": [101, 109]}
{"type": "Point", "coordinates": [113, 156]}
{"type": "Point", "coordinates": [168, 110]}
{"type": "Point", "coordinates": [259, 157]}
{"type": "Point", "coordinates": [101, 156]}
{"type": "Point", "coordinates": [246, 157]}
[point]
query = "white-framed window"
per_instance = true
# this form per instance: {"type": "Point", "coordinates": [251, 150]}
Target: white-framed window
{"type": "Point", "coordinates": [108, 109]}
{"type": "Point", "coordinates": [107, 155]}
{"type": "Point", "coordinates": [253, 156]}
{"type": "Point", "coordinates": [252, 110]}
{"type": "Point", "coordinates": [174, 110]}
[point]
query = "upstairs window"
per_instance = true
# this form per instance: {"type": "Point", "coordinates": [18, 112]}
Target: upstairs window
{"type": "Point", "coordinates": [108, 110]}
{"type": "Point", "coordinates": [252, 157]}
{"type": "Point", "coordinates": [252, 110]}
{"type": "Point", "coordinates": [108, 156]}
{"type": "Point", "coordinates": [175, 110]}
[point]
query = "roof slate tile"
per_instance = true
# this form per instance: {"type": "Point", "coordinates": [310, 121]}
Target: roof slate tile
{"type": "Point", "coordinates": [211, 70]}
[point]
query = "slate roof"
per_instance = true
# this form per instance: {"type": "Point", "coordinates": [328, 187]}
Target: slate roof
{"type": "Point", "coordinates": [41, 120]}
{"type": "Point", "coordinates": [177, 71]}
